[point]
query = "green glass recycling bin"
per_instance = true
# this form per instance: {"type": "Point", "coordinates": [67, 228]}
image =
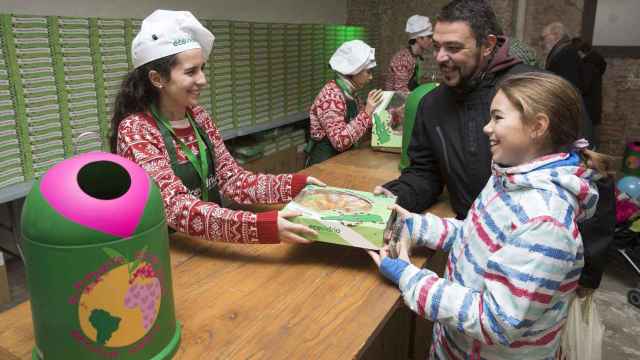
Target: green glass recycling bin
{"type": "Point", "coordinates": [96, 250]}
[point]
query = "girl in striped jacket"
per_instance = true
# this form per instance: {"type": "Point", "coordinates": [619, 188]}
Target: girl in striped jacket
{"type": "Point", "coordinates": [514, 262]}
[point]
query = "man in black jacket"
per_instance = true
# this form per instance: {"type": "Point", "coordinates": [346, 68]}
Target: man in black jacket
{"type": "Point", "coordinates": [592, 68]}
{"type": "Point", "coordinates": [447, 145]}
{"type": "Point", "coordinates": [563, 60]}
{"type": "Point", "coordinates": [562, 57]}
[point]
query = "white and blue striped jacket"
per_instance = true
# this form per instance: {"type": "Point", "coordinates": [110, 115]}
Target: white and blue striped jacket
{"type": "Point", "coordinates": [513, 266]}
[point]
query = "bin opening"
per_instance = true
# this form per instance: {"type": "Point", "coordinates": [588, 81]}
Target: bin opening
{"type": "Point", "coordinates": [104, 180]}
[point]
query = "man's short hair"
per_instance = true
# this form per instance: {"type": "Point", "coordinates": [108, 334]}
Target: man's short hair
{"type": "Point", "coordinates": [477, 13]}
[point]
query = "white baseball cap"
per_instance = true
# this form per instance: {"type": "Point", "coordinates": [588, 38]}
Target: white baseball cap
{"type": "Point", "coordinates": [167, 32]}
{"type": "Point", "coordinates": [418, 25]}
{"type": "Point", "coordinates": [352, 57]}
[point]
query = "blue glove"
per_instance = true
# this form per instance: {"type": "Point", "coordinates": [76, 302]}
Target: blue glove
{"type": "Point", "coordinates": [392, 269]}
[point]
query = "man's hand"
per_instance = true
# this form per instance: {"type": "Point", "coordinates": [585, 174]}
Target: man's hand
{"type": "Point", "coordinates": [379, 190]}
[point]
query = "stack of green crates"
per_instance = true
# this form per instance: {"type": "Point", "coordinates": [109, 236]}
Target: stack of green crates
{"type": "Point", "coordinates": [115, 63]}
{"type": "Point", "coordinates": [59, 77]}
{"type": "Point", "coordinates": [241, 56]}
{"type": "Point", "coordinates": [10, 162]}
{"type": "Point", "coordinates": [320, 61]}
{"type": "Point", "coordinates": [292, 49]}
{"type": "Point", "coordinates": [307, 89]}
{"type": "Point", "coordinates": [329, 48]}
{"type": "Point", "coordinates": [79, 82]}
{"type": "Point", "coordinates": [260, 72]}
{"type": "Point", "coordinates": [298, 139]}
{"type": "Point", "coordinates": [35, 68]}
{"type": "Point", "coordinates": [222, 80]}
{"type": "Point", "coordinates": [132, 28]}
{"type": "Point", "coordinates": [278, 73]}
{"type": "Point", "coordinates": [205, 99]}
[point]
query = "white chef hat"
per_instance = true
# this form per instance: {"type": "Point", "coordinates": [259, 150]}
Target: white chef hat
{"type": "Point", "coordinates": [167, 32]}
{"type": "Point", "coordinates": [352, 57]}
{"type": "Point", "coordinates": [418, 25]}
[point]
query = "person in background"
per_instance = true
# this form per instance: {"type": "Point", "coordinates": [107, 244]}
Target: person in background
{"type": "Point", "coordinates": [447, 145]}
{"type": "Point", "coordinates": [592, 68]}
{"type": "Point", "coordinates": [515, 260]}
{"type": "Point", "coordinates": [404, 73]}
{"type": "Point", "coordinates": [337, 119]}
{"type": "Point", "coordinates": [158, 124]}
{"type": "Point", "coordinates": [562, 58]}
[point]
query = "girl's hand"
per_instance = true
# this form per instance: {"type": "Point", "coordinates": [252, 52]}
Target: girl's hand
{"type": "Point", "coordinates": [289, 232]}
{"type": "Point", "coordinates": [392, 269]}
{"type": "Point", "coordinates": [397, 230]}
{"type": "Point", "coordinates": [313, 181]}
{"type": "Point", "coordinates": [373, 100]}
{"type": "Point", "coordinates": [378, 256]}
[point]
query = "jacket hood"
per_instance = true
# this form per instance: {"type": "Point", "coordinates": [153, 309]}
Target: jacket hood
{"type": "Point", "coordinates": [562, 174]}
{"type": "Point", "coordinates": [502, 59]}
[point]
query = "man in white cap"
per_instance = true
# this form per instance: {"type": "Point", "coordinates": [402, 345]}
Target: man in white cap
{"type": "Point", "coordinates": [404, 73]}
{"type": "Point", "coordinates": [337, 118]}
{"type": "Point", "coordinates": [158, 124]}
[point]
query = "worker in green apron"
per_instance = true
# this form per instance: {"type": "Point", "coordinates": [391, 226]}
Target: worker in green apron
{"type": "Point", "coordinates": [405, 70]}
{"type": "Point", "coordinates": [158, 124]}
{"type": "Point", "coordinates": [337, 120]}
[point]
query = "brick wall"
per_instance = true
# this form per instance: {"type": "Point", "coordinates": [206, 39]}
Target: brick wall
{"type": "Point", "coordinates": [621, 105]}
{"type": "Point", "coordinates": [505, 12]}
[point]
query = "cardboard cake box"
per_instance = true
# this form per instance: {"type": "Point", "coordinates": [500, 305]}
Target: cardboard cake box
{"type": "Point", "coordinates": [386, 132]}
{"type": "Point", "coordinates": [343, 216]}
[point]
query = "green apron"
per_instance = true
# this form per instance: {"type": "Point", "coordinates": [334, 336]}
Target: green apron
{"type": "Point", "coordinates": [319, 151]}
{"type": "Point", "coordinates": [410, 111]}
{"type": "Point", "coordinates": [414, 82]}
{"type": "Point", "coordinates": [186, 172]}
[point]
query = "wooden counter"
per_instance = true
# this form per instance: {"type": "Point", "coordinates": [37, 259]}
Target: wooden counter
{"type": "Point", "coordinates": [315, 301]}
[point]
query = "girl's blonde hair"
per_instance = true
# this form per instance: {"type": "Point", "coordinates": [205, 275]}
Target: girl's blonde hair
{"type": "Point", "coordinates": [543, 93]}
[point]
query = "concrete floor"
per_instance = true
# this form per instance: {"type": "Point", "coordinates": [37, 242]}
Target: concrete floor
{"type": "Point", "coordinates": [621, 320]}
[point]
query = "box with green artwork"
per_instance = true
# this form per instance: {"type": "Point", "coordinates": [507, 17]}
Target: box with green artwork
{"type": "Point", "coordinates": [343, 216]}
{"type": "Point", "coordinates": [386, 133]}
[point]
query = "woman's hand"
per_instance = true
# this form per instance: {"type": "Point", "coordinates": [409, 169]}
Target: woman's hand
{"type": "Point", "coordinates": [313, 181]}
{"type": "Point", "coordinates": [373, 100]}
{"type": "Point", "coordinates": [289, 232]}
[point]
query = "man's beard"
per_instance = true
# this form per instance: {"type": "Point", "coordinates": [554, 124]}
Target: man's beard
{"type": "Point", "coordinates": [469, 80]}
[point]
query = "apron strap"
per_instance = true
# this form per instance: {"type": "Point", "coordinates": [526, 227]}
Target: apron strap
{"type": "Point", "coordinates": [214, 193]}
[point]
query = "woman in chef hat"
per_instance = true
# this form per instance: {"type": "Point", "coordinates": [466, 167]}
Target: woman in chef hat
{"type": "Point", "coordinates": [337, 118]}
{"type": "Point", "coordinates": [158, 124]}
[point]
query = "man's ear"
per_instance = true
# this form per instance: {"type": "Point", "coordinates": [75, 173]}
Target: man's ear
{"type": "Point", "coordinates": [156, 79]}
{"type": "Point", "coordinates": [489, 45]}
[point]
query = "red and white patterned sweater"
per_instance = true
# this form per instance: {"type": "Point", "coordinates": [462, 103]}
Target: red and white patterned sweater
{"type": "Point", "coordinates": [328, 117]}
{"type": "Point", "coordinates": [400, 71]}
{"type": "Point", "coordinates": [140, 141]}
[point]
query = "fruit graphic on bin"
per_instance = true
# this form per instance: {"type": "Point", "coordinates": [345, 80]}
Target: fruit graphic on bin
{"type": "Point", "coordinates": [131, 289]}
{"type": "Point", "coordinates": [97, 258]}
